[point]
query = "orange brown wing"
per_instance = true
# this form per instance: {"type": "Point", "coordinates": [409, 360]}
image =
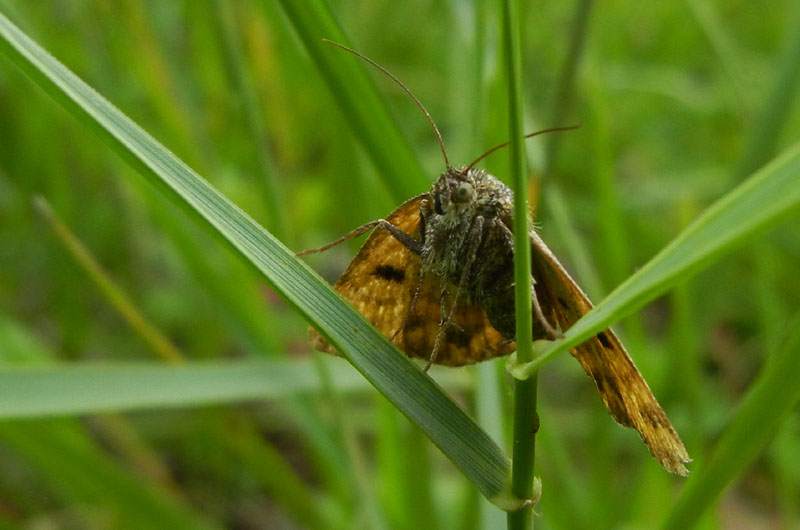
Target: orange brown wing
{"type": "Point", "coordinates": [380, 283]}
{"type": "Point", "coordinates": [624, 391]}
{"type": "Point", "coordinates": [469, 338]}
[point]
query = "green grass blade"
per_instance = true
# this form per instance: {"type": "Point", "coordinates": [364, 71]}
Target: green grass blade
{"type": "Point", "coordinates": [725, 48]}
{"type": "Point", "coordinates": [55, 389]}
{"type": "Point", "coordinates": [772, 118]}
{"type": "Point", "coordinates": [73, 467]}
{"type": "Point", "coordinates": [565, 87]}
{"type": "Point", "coordinates": [770, 196]}
{"type": "Point", "coordinates": [160, 345]}
{"type": "Point", "coordinates": [355, 92]}
{"type": "Point", "coordinates": [489, 393]}
{"type": "Point", "coordinates": [251, 112]}
{"type": "Point", "coordinates": [419, 397]}
{"type": "Point", "coordinates": [768, 403]}
{"type": "Point", "coordinates": [81, 388]}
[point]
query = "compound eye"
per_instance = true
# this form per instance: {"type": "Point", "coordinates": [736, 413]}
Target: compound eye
{"type": "Point", "coordinates": [437, 205]}
{"type": "Point", "coordinates": [463, 192]}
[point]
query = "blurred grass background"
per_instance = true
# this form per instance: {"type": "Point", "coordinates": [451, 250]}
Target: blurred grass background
{"type": "Point", "coordinates": [679, 102]}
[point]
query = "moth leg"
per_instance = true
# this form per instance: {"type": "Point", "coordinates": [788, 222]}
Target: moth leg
{"type": "Point", "coordinates": [445, 320]}
{"type": "Point", "coordinates": [476, 234]}
{"type": "Point", "coordinates": [404, 239]}
{"type": "Point", "coordinates": [424, 206]}
{"type": "Point", "coordinates": [552, 333]}
{"type": "Point", "coordinates": [443, 301]}
{"type": "Point", "coordinates": [444, 316]}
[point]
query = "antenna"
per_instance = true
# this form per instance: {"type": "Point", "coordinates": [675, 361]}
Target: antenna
{"type": "Point", "coordinates": [531, 135]}
{"type": "Point", "coordinates": [405, 88]}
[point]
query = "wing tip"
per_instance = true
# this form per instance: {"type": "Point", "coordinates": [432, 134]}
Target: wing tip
{"type": "Point", "coordinates": [674, 460]}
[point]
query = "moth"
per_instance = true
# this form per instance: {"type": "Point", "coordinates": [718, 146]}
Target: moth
{"type": "Point", "coordinates": [436, 277]}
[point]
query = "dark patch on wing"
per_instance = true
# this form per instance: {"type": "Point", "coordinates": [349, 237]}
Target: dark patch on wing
{"type": "Point", "coordinates": [389, 273]}
{"type": "Point", "coordinates": [414, 322]}
{"type": "Point", "coordinates": [608, 385]}
{"type": "Point", "coordinates": [458, 337]}
{"type": "Point", "coordinates": [603, 339]}
{"type": "Point", "coordinates": [623, 389]}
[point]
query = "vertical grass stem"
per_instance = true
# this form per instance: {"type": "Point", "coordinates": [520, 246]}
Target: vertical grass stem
{"type": "Point", "coordinates": [525, 418]}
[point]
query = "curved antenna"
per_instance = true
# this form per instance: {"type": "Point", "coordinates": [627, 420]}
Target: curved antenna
{"type": "Point", "coordinates": [405, 88]}
{"type": "Point", "coordinates": [531, 135]}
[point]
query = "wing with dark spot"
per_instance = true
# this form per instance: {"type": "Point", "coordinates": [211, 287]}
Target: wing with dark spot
{"type": "Point", "coordinates": [380, 283]}
{"type": "Point", "coordinates": [625, 393]}
{"type": "Point", "coordinates": [389, 273]}
{"type": "Point", "coordinates": [376, 282]}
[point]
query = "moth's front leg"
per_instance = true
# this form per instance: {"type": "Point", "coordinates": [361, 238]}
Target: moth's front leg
{"type": "Point", "coordinates": [407, 240]}
{"type": "Point", "coordinates": [474, 241]}
{"type": "Point", "coordinates": [404, 239]}
{"type": "Point", "coordinates": [424, 211]}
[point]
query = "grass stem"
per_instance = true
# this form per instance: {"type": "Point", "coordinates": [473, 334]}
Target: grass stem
{"type": "Point", "coordinates": [525, 419]}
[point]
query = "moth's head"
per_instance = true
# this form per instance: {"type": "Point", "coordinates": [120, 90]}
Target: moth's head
{"type": "Point", "coordinates": [454, 190]}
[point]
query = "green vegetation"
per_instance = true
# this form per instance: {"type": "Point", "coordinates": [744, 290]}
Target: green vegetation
{"type": "Point", "coordinates": [154, 370]}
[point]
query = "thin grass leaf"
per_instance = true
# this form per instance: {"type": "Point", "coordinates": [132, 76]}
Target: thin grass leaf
{"type": "Point", "coordinates": [609, 218]}
{"type": "Point", "coordinates": [241, 441]}
{"type": "Point", "coordinates": [251, 113]}
{"type": "Point", "coordinates": [72, 466]}
{"type": "Point", "coordinates": [46, 390]}
{"type": "Point", "coordinates": [359, 100]}
{"type": "Point", "coordinates": [565, 86]}
{"type": "Point", "coordinates": [419, 397]}
{"type": "Point", "coordinates": [786, 467]}
{"type": "Point", "coordinates": [332, 392]}
{"type": "Point", "coordinates": [117, 298]}
{"type": "Point", "coordinates": [231, 286]}
{"type": "Point", "coordinates": [571, 241]}
{"type": "Point", "coordinates": [766, 128]}
{"type": "Point", "coordinates": [82, 388]}
{"type": "Point", "coordinates": [162, 83]}
{"type": "Point", "coordinates": [764, 200]}
{"type": "Point", "coordinates": [768, 403]}
{"type": "Point", "coordinates": [725, 48]}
